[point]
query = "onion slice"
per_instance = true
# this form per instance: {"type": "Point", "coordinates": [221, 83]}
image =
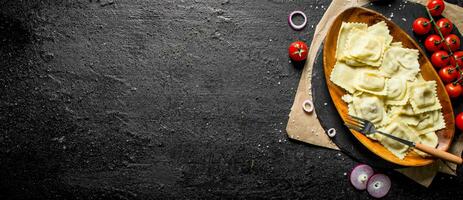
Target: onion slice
{"type": "Point", "coordinates": [291, 23]}
{"type": "Point", "coordinates": [360, 175]}
{"type": "Point", "coordinates": [331, 132]}
{"type": "Point", "coordinates": [379, 185]}
{"type": "Point", "coordinates": [307, 105]}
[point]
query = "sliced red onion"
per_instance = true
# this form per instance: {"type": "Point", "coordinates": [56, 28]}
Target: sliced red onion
{"type": "Point", "coordinates": [291, 23]}
{"type": "Point", "coordinates": [379, 185]}
{"type": "Point", "coordinates": [359, 176]}
{"type": "Point", "coordinates": [307, 105]}
{"type": "Point", "coordinates": [331, 132]}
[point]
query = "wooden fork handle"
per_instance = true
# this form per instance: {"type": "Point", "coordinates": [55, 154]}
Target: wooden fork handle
{"type": "Point", "coordinates": [439, 153]}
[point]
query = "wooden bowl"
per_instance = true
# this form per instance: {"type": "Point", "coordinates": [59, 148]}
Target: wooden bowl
{"type": "Point", "coordinates": [370, 17]}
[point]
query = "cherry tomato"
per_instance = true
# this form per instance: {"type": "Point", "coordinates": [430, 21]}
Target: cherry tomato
{"type": "Point", "coordinates": [448, 74]}
{"type": "Point", "coordinates": [421, 26]}
{"type": "Point", "coordinates": [445, 26]}
{"type": "Point", "coordinates": [433, 43]}
{"type": "Point", "coordinates": [452, 41]}
{"type": "Point", "coordinates": [298, 51]}
{"type": "Point", "coordinates": [440, 59]}
{"type": "Point", "coordinates": [436, 7]}
{"type": "Point", "coordinates": [458, 76]}
{"type": "Point", "coordinates": [459, 121]}
{"type": "Point", "coordinates": [454, 90]}
{"type": "Point", "coordinates": [457, 58]}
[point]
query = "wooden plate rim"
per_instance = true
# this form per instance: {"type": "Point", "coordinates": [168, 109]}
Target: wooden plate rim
{"type": "Point", "coordinates": [408, 161]}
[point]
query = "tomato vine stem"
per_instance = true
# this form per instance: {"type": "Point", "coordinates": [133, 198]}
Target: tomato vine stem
{"type": "Point", "coordinates": [460, 77]}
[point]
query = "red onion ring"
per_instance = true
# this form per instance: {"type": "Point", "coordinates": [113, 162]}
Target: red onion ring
{"type": "Point", "coordinates": [379, 185]}
{"type": "Point", "coordinates": [331, 132]}
{"type": "Point", "coordinates": [360, 175]}
{"type": "Point", "coordinates": [291, 23]}
{"type": "Point", "coordinates": [307, 105]}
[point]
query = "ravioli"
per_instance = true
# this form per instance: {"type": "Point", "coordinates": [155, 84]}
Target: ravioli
{"type": "Point", "coordinates": [429, 139]}
{"type": "Point", "coordinates": [400, 62]}
{"type": "Point", "coordinates": [365, 48]}
{"type": "Point", "coordinates": [347, 98]}
{"type": "Point", "coordinates": [384, 85]}
{"type": "Point", "coordinates": [344, 76]}
{"type": "Point", "coordinates": [381, 29]}
{"type": "Point", "coordinates": [430, 122]}
{"type": "Point", "coordinates": [405, 109]}
{"type": "Point", "coordinates": [403, 114]}
{"type": "Point", "coordinates": [412, 120]}
{"type": "Point", "coordinates": [400, 130]}
{"type": "Point", "coordinates": [354, 62]}
{"type": "Point", "coordinates": [396, 91]}
{"type": "Point", "coordinates": [346, 27]}
{"type": "Point", "coordinates": [424, 122]}
{"type": "Point", "coordinates": [370, 82]}
{"type": "Point", "coordinates": [423, 97]}
{"type": "Point", "coordinates": [396, 44]}
{"type": "Point", "coordinates": [369, 107]}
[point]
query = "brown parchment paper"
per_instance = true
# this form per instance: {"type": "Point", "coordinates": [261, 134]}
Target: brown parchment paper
{"type": "Point", "coordinates": [306, 127]}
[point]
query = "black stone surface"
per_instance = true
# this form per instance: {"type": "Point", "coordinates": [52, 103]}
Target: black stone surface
{"type": "Point", "coordinates": [344, 140]}
{"type": "Point", "coordinates": [162, 100]}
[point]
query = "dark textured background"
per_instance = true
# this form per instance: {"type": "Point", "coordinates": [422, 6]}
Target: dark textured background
{"type": "Point", "coordinates": [162, 99]}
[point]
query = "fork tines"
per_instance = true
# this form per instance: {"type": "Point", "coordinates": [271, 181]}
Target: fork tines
{"type": "Point", "coordinates": [355, 123]}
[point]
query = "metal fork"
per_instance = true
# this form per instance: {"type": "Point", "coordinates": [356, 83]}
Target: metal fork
{"type": "Point", "coordinates": [366, 127]}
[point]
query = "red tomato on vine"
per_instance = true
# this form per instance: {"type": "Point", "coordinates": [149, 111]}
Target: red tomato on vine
{"type": "Point", "coordinates": [436, 7]}
{"type": "Point", "coordinates": [440, 59]}
{"type": "Point", "coordinates": [454, 90]}
{"type": "Point", "coordinates": [421, 26]}
{"type": "Point", "coordinates": [433, 43]}
{"type": "Point", "coordinates": [451, 41]}
{"type": "Point", "coordinates": [457, 58]}
{"type": "Point", "coordinates": [445, 26]}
